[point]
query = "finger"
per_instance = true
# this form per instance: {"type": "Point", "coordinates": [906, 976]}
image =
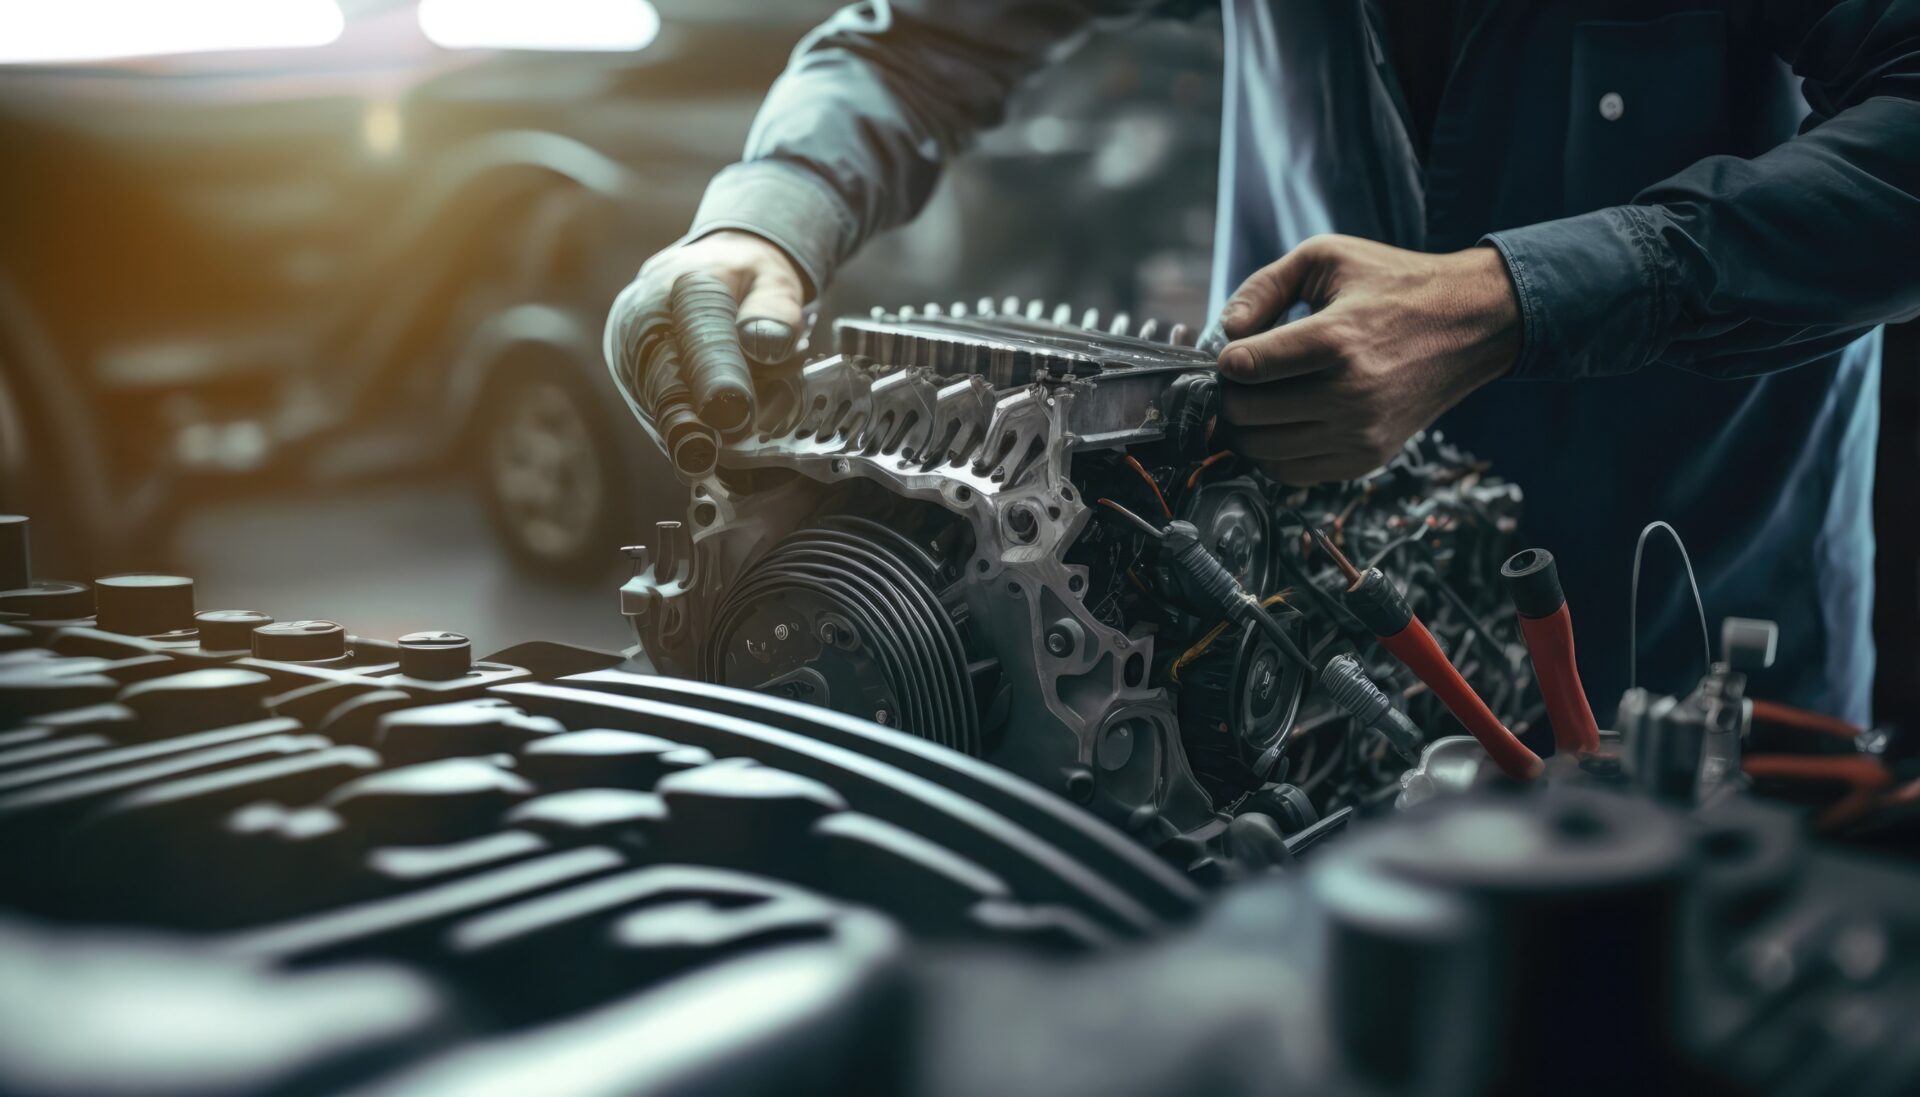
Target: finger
{"type": "Point", "coordinates": [770, 317]}
{"type": "Point", "coordinates": [1294, 442]}
{"type": "Point", "coordinates": [1322, 469]}
{"type": "Point", "coordinates": [1298, 400]}
{"type": "Point", "coordinates": [1291, 350]}
{"type": "Point", "coordinates": [1271, 290]}
{"type": "Point", "coordinates": [622, 319]}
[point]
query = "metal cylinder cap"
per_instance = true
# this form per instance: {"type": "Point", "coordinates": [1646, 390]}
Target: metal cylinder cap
{"type": "Point", "coordinates": [299, 641]}
{"type": "Point", "coordinates": [144, 605]}
{"type": "Point", "coordinates": [435, 655]}
{"type": "Point", "coordinates": [229, 629]}
{"type": "Point", "coordinates": [207, 698]}
{"type": "Point", "coordinates": [16, 562]}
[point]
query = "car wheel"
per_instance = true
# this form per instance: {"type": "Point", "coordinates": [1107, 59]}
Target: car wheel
{"type": "Point", "coordinates": [550, 473]}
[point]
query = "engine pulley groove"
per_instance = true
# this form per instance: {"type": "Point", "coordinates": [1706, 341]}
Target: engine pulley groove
{"type": "Point", "coordinates": [907, 646]}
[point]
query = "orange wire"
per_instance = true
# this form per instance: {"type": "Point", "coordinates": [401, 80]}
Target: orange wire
{"type": "Point", "coordinates": [1340, 520]}
{"type": "Point", "coordinates": [1864, 778]}
{"type": "Point", "coordinates": [1151, 482]}
{"type": "Point", "coordinates": [1847, 769]}
{"type": "Point", "coordinates": [1773, 712]}
{"type": "Point", "coordinates": [1207, 464]}
{"type": "Point", "coordinates": [1905, 794]}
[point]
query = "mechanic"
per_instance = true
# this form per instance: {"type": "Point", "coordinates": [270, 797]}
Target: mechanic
{"type": "Point", "coordinates": [1620, 210]}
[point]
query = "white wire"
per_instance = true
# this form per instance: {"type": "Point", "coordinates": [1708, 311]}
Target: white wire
{"type": "Point", "coordinates": [1633, 607]}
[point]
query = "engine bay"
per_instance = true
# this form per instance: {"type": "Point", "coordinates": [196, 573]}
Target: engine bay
{"type": "Point", "coordinates": [989, 730]}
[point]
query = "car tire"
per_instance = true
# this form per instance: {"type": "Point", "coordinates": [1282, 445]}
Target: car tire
{"type": "Point", "coordinates": [550, 470]}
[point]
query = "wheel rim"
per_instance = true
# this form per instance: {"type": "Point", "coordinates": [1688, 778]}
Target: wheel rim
{"type": "Point", "coordinates": [546, 472]}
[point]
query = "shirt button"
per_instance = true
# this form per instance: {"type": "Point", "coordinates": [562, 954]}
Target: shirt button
{"type": "Point", "coordinates": [1612, 106]}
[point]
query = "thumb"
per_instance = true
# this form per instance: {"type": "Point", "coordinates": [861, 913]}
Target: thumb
{"type": "Point", "coordinates": [1269, 292]}
{"type": "Point", "coordinates": [1290, 350]}
{"type": "Point", "coordinates": [770, 316]}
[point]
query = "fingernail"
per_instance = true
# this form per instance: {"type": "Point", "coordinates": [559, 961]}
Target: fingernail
{"type": "Point", "coordinates": [766, 340]}
{"type": "Point", "coordinates": [1239, 364]}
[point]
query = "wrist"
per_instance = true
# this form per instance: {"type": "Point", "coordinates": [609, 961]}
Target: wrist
{"type": "Point", "coordinates": [788, 205]}
{"type": "Point", "coordinates": [1493, 313]}
{"type": "Point", "coordinates": [747, 248]}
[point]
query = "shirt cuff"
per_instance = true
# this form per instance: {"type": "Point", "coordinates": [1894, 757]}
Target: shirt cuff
{"type": "Point", "coordinates": [788, 204]}
{"type": "Point", "coordinates": [1591, 291]}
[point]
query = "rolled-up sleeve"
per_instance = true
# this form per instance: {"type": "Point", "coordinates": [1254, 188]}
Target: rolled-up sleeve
{"type": "Point", "coordinates": [853, 136]}
{"type": "Point", "coordinates": [1736, 266]}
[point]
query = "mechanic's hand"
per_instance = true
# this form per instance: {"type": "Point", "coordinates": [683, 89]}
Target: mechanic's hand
{"type": "Point", "coordinates": [768, 286]}
{"type": "Point", "coordinates": [1396, 337]}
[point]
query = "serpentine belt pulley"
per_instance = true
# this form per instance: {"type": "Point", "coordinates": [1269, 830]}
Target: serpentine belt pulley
{"type": "Point", "coordinates": [844, 614]}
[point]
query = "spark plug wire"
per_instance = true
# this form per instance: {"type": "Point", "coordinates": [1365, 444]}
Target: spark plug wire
{"type": "Point", "coordinates": [1799, 719]}
{"type": "Point", "coordinates": [1380, 606]}
{"type": "Point", "coordinates": [1863, 777]}
{"type": "Point", "coordinates": [1533, 579]}
{"type": "Point", "coordinates": [1182, 549]}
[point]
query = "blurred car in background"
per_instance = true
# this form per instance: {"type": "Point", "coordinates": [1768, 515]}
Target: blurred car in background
{"type": "Point", "coordinates": [258, 270]}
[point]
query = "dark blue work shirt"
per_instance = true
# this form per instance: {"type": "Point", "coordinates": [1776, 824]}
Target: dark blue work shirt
{"type": "Point", "coordinates": [1706, 208]}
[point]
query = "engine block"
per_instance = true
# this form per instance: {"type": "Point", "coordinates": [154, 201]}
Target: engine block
{"type": "Point", "coordinates": [933, 529]}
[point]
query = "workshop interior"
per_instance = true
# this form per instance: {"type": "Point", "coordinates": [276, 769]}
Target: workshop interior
{"type": "Point", "coordinates": [437, 660]}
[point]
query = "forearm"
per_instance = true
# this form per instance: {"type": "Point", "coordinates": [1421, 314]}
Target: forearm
{"type": "Point", "coordinates": [852, 138]}
{"type": "Point", "coordinates": [1741, 266]}
{"type": "Point", "coordinates": [1765, 263]}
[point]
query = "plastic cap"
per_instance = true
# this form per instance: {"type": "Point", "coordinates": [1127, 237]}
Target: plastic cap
{"type": "Point", "coordinates": [299, 641]}
{"type": "Point", "coordinates": [1748, 644]}
{"type": "Point", "coordinates": [435, 655]}
{"type": "Point", "coordinates": [229, 629]}
{"type": "Point", "coordinates": [144, 605]}
{"type": "Point", "coordinates": [16, 562]}
{"type": "Point", "coordinates": [1534, 582]}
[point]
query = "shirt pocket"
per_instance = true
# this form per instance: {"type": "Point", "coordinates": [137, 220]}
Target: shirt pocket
{"type": "Point", "coordinates": [1647, 99]}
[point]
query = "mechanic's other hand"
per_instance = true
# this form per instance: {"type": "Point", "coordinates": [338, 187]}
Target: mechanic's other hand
{"type": "Point", "coordinates": [1396, 337]}
{"type": "Point", "coordinates": [767, 284]}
